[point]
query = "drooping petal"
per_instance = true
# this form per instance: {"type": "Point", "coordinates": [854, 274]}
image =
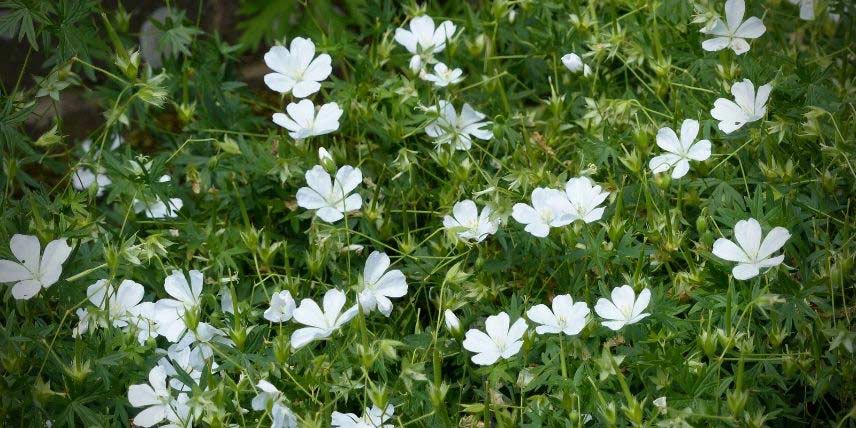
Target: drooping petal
{"type": "Point", "coordinates": [745, 271]}
{"type": "Point", "coordinates": [26, 289]}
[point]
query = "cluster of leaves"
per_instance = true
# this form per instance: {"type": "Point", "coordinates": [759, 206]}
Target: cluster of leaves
{"type": "Point", "coordinates": [775, 350]}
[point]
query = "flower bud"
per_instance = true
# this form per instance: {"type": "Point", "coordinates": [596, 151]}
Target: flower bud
{"type": "Point", "coordinates": [453, 324]}
{"type": "Point", "coordinates": [326, 160]}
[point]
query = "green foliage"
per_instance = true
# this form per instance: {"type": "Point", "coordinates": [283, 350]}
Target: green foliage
{"type": "Point", "coordinates": [776, 350]}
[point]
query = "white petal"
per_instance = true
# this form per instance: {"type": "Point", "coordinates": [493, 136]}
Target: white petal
{"type": "Point", "coordinates": [775, 240]}
{"type": "Point", "coordinates": [27, 249]}
{"type": "Point", "coordinates": [13, 272]}
{"type": "Point", "coordinates": [745, 271]}
{"type": "Point", "coordinates": [26, 289]}
{"type": "Point", "coordinates": [681, 169]}
{"type": "Point", "coordinates": [727, 250]}
{"type": "Point", "coordinates": [748, 235]}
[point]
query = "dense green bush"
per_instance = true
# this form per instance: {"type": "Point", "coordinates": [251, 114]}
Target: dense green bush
{"type": "Point", "coordinates": [191, 176]}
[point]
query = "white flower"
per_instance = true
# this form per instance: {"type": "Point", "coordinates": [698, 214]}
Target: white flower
{"type": "Point", "coordinates": [550, 208]}
{"type": "Point", "coordinates": [331, 199]}
{"type": "Point", "coordinates": [453, 324]}
{"type": "Point", "coordinates": [268, 394]}
{"type": "Point", "coordinates": [33, 271]}
{"type": "Point", "coordinates": [303, 121]}
{"type": "Point", "coordinates": [226, 303]}
{"type": "Point", "coordinates": [169, 313]}
{"type": "Point", "coordinates": [83, 323]}
{"type": "Point", "coordinates": [468, 223]}
{"type": "Point", "coordinates": [373, 417]}
{"type": "Point", "coordinates": [282, 417]}
{"type": "Point", "coordinates": [566, 316]}
{"type": "Point", "coordinates": [200, 340]}
{"type": "Point", "coordinates": [155, 397]}
{"type": "Point", "coordinates": [449, 128]}
{"type": "Point", "coordinates": [321, 323]}
{"type": "Point", "coordinates": [750, 252]}
{"type": "Point", "coordinates": [585, 198]}
{"type": "Point", "coordinates": [680, 151]}
{"type": "Point", "coordinates": [184, 359]}
{"type": "Point", "coordinates": [379, 285]}
{"type": "Point", "coordinates": [660, 403]}
{"type": "Point", "coordinates": [734, 32]}
{"type": "Point", "coordinates": [295, 70]}
{"type": "Point", "coordinates": [281, 307]}
{"type": "Point", "coordinates": [501, 341]}
{"type": "Point", "coordinates": [625, 308]}
{"type": "Point", "coordinates": [84, 178]}
{"type": "Point", "coordinates": [746, 107]}
{"type": "Point", "coordinates": [575, 64]}
{"type": "Point", "coordinates": [142, 317]}
{"type": "Point", "coordinates": [424, 40]}
{"type": "Point", "coordinates": [117, 302]}
{"type": "Point", "coordinates": [806, 8]}
{"type": "Point", "coordinates": [159, 208]}
{"type": "Point", "coordinates": [443, 76]}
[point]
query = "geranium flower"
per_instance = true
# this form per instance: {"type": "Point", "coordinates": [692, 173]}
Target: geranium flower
{"type": "Point", "coordinates": [734, 32]}
{"type": "Point", "coordinates": [468, 223]}
{"type": "Point", "coordinates": [500, 341]}
{"type": "Point", "coordinates": [806, 8]}
{"type": "Point", "coordinates": [183, 359]}
{"type": "Point", "coordinates": [321, 323]}
{"type": "Point", "coordinates": [443, 76]}
{"type": "Point", "coordinates": [373, 417]}
{"type": "Point", "coordinates": [169, 313]}
{"type": "Point", "coordinates": [295, 70]}
{"type": "Point", "coordinates": [156, 399]}
{"type": "Point", "coordinates": [303, 121]}
{"type": "Point", "coordinates": [281, 307]}
{"type": "Point", "coordinates": [566, 316]}
{"type": "Point", "coordinates": [331, 199]}
{"type": "Point", "coordinates": [379, 285]}
{"type": "Point", "coordinates": [423, 40]}
{"type": "Point", "coordinates": [680, 151]}
{"type": "Point", "coordinates": [142, 317]}
{"type": "Point", "coordinates": [746, 107]}
{"type": "Point", "coordinates": [550, 208]}
{"type": "Point", "coordinates": [33, 271]}
{"type": "Point", "coordinates": [449, 128]}
{"type": "Point", "coordinates": [624, 308]}
{"type": "Point", "coordinates": [117, 302]}
{"type": "Point", "coordinates": [83, 179]}
{"type": "Point", "coordinates": [575, 64]}
{"type": "Point", "coordinates": [750, 252]}
{"type": "Point", "coordinates": [84, 318]}
{"type": "Point", "coordinates": [585, 198]}
{"type": "Point", "coordinates": [159, 208]}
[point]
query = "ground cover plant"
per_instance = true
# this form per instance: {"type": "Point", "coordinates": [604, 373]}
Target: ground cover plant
{"type": "Point", "coordinates": [372, 213]}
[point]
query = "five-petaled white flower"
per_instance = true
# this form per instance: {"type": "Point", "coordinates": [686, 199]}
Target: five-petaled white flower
{"type": "Point", "coordinates": [321, 323]}
{"type": "Point", "coordinates": [379, 285]}
{"type": "Point", "coordinates": [302, 121]}
{"type": "Point", "coordinates": [33, 271]}
{"type": "Point", "coordinates": [500, 341]}
{"type": "Point", "coordinates": [468, 223]}
{"type": "Point", "coordinates": [281, 307]}
{"type": "Point", "coordinates": [624, 308]}
{"type": "Point", "coordinates": [680, 150]}
{"type": "Point", "coordinates": [116, 302]}
{"type": "Point", "coordinates": [331, 198]}
{"type": "Point", "coordinates": [158, 402]}
{"type": "Point", "coordinates": [746, 107]}
{"type": "Point", "coordinates": [550, 208]}
{"type": "Point", "coordinates": [443, 75]}
{"type": "Point", "coordinates": [734, 31]}
{"type": "Point", "coordinates": [566, 316]}
{"type": "Point", "coordinates": [373, 417]}
{"type": "Point", "coordinates": [750, 252]}
{"type": "Point", "coordinates": [296, 70]}
{"type": "Point", "coordinates": [574, 63]}
{"type": "Point", "coordinates": [83, 179]}
{"type": "Point", "coordinates": [459, 131]}
{"type": "Point", "coordinates": [585, 198]}
{"type": "Point", "coordinates": [423, 40]}
{"type": "Point", "coordinates": [169, 313]}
